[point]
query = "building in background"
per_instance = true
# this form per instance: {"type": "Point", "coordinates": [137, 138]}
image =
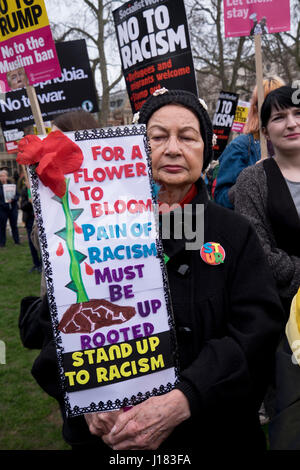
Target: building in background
{"type": "Point", "coordinates": [120, 109]}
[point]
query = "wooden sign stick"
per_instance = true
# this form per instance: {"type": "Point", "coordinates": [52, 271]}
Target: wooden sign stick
{"type": "Point", "coordinates": [37, 116]}
{"type": "Point", "coordinates": [260, 92]}
{"type": "Point", "coordinates": [36, 111]}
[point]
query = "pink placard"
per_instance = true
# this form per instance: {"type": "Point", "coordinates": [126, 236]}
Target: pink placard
{"type": "Point", "coordinates": [249, 17]}
{"type": "Point", "coordinates": [28, 59]}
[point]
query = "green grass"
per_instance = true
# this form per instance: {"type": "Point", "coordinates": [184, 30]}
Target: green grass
{"type": "Point", "coordinates": [30, 419]}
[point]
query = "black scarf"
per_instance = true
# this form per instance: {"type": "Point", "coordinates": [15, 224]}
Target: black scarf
{"type": "Point", "coordinates": [282, 211]}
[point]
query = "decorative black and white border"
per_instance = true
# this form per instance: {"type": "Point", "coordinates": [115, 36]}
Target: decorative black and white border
{"type": "Point", "coordinates": [103, 133]}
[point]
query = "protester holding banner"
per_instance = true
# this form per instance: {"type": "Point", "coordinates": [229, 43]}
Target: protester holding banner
{"type": "Point", "coordinates": [268, 195]}
{"type": "Point", "coordinates": [8, 211]}
{"type": "Point", "coordinates": [219, 357]}
{"type": "Point", "coordinates": [227, 313]}
{"type": "Point", "coordinates": [243, 151]}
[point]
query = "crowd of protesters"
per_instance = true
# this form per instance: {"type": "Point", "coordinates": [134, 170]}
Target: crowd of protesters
{"type": "Point", "coordinates": [241, 356]}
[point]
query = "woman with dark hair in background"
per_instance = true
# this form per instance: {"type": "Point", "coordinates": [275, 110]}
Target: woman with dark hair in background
{"type": "Point", "coordinates": [268, 194]}
{"type": "Point", "coordinates": [242, 151]}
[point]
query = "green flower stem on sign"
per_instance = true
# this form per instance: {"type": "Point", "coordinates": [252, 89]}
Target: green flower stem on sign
{"type": "Point", "coordinates": [75, 271]}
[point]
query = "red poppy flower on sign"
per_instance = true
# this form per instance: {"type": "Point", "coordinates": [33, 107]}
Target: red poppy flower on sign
{"type": "Point", "coordinates": [29, 150]}
{"type": "Point", "coordinates": [56, 156]}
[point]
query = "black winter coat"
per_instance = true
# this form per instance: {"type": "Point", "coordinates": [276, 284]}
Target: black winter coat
{"type": "Point", "coordinates": [229, 321]}
{"type": "Point", "coordinates": [26, 206]}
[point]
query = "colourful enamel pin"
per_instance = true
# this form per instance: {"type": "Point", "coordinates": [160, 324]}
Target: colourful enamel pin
{"type": "Point", "coordinates": [212, 253]}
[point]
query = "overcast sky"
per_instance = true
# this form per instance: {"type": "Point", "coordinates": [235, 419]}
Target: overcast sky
{"type": "Point", "coordinates": [66, 11]}
{"type": "Point", "coordinates": [58, 10]}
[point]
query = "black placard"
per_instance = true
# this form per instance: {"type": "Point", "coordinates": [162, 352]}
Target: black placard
{"type": "Point", "coordinates": [117, 362]}
{"type": "Point", "coordinates": [73, 90]}
{"type": "Point", "coordinates": [223, 120]}
{"type": "Point", "coordinates": [154, 47]}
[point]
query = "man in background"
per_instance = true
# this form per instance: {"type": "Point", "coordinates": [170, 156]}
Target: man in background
{"type": "Point", "coordinates": [8, 211]}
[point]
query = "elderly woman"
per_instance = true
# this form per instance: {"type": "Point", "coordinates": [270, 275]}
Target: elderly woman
{"type": "Point", "coordinates": [227, 313]}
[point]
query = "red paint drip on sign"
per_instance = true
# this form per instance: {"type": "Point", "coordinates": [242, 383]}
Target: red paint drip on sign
{"type": "Point", "coordinates": [88, 269]}
{"type": "Point", "coordinates": [60, 250]}
{"type": "Point", "coordinates": [77, 228]}
{"type": "Point", "coordinates": [74, 198]}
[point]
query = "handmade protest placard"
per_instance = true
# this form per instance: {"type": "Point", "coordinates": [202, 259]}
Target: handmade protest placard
{"type": "Point", "coordinates": [104, 268]}
{"type": "Point", "coordinates": [27, 50]}
{"type": "Point", "coordinates": [155, 50]}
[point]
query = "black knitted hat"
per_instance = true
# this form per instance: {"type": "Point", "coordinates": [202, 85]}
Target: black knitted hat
{"type": "Point", "coordinates": [163, 97]}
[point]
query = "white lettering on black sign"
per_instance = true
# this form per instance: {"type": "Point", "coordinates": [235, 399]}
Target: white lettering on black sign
{"type": "Point", "coordinates": [166, 40]}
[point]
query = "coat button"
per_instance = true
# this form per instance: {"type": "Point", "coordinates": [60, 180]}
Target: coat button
{"type": "Point", "coordinates": [183, 269]}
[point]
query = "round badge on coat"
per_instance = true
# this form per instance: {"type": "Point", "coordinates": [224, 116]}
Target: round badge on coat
{"type": "Point", "coordinates": [212, 253]}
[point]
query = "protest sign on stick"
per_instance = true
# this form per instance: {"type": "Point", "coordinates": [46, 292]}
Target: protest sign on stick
{"type": "Point", "coordinates": [155, 49]}
{"type": "Point", "coordinates": [241, 115]}
{"type": "Point", "coordinates": [245, 18]}
{"type": "Point", "coordinates": [71, 91]}
{"type": "Point", "coordinates": [260, 92]}
{"type": "Point", "coordinates": [223, 120]}
{"type": "Point", "coordinates": [104, 267]}
{"type": "Point", "coordinates": [36, 111]}
{"type": "Point", "coordinates": [27, 50]}
{"type": "Point", "coordinates": [248, 18]}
